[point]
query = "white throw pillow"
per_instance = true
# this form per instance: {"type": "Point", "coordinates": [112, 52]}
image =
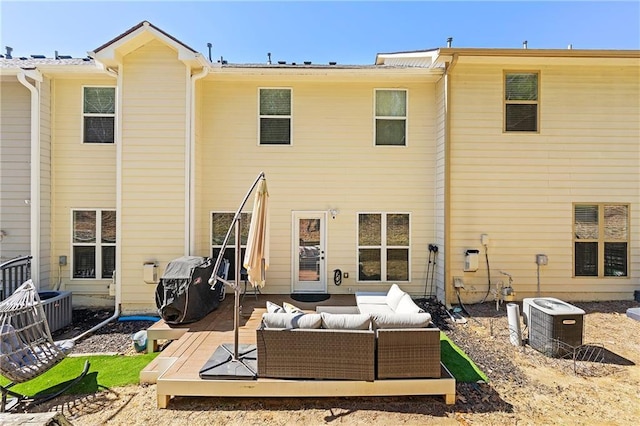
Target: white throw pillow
{"type": "Point", "coordinates": [407, 306]}
{"type": "Point", "coordinates": [291, 309]}
{"type": "Point", "coordinates": [272, 308]}
{"type": "Point", "coordinates": [394, 295]}
{"type": "Point", "coordinates": [291, 320]}
{"type": "Point", "coordinates": [346, 321]}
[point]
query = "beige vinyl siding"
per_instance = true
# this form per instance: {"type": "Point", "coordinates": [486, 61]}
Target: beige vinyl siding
{"type": "Point", "coordinates": [84, 175]}
{"type": "Point", "coordinates": [332, 163]}
{"type": "Point", "coordinates": [153, 167]}
{"type": "Point", "coordinates": [46, 275]}
{"type": "Point", "coordinates": [519, 188]}
{"type": "Point", "coordinates": [15, 169]}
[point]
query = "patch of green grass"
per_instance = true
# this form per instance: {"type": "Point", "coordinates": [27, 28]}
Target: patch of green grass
{"type": "Point", "coordinates": [106, 371]}
{"type": "Point", "coordinates": [459, 363]}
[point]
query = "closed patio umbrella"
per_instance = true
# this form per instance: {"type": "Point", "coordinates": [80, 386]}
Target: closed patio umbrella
{"type": "Point", "coordinates": [256, 258]}
{"type": "Point", "coordinates": [233, 360]}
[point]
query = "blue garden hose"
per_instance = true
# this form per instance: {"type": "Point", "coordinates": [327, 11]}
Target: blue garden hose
{"type": "Point", "coordinates": [139, 318]}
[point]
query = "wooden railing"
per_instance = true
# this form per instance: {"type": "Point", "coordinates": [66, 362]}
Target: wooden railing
{"type": "Point", "coordinates": [13, 273]}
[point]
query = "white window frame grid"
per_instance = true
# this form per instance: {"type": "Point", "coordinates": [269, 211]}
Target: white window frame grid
{"type": "Point", "coordinates": [114, 115]}
{"type": "Point", "coordinates": [290, 117]}
{"type": "Point", "coordinates": [98, 244]}
{"type": "Point", "coordinates": [383, 247]}
{"type": "Point", "coordinates": [384, 117]}
{"type": "Point", "coordinates": [506, 102]}
{"type": "Point", "coordinates": [231, 244]}
{"type": "Point", "coordinates": [601, 240]}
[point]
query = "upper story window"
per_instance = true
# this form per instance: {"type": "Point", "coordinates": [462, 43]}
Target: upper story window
{"type": "Point", "coordinates": [391, 117]}
{"type": "Point", "coordinates": [220, 223]}
{"type": "Point", "coordinates": [98, 114]}
{"type": "Point", "coordinates": [601, 240]}
{"type": "Point", "coordinates": [521, 102]}
{"type": "Point", "coordinates": [275, 116]}
{"type": "Point", "coordinates": [94, 243]}
{"type": "Point", "coordinates": [383, 246]}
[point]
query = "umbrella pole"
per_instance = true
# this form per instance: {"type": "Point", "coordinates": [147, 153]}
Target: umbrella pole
{"type": "Point", "coordinates": [236, 311]}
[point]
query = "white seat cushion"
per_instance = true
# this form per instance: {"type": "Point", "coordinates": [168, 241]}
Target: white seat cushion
{"type": "Point", "coordinates": [419, 320]}
{"type": "Point", "coordinates": [346, 321]}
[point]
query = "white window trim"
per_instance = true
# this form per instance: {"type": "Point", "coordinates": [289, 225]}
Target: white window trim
{"type": "Point", "coordinates": [383, 117]}
{"type": "Point", "coordinates": [98, 245]}
{"type": "Point", "coordinates": [114, 115]}
{"type": "Point", "coordinates": [382, 247]}
{"type": "Point", "coordinates": [521, 102]}
{"type": "Point", "coordinates": [230, 244]}
{"type": "Point", "coordinates": [290, 117]}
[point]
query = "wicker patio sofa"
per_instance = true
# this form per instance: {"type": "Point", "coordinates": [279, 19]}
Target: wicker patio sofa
{"type": "Point", "coordinates": [372, 345]}
{"type": "Point", "coordinates": [316, 354]}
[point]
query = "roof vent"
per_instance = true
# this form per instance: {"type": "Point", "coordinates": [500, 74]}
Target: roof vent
{"type": "Point", "coordinates": [22, 58]}
{"type": "Point", "coordinates": [209, 46]}
{"type": "Point", "coordinates": [332, 63]}
{"type": "Point", "coordinates": [282, 62]}
{"type": "Point", "coordinates": [269, 58]}
{"type": "Point", "coordinates": [9, 50]}
{"type": "Point", "coordinates": [449, 40]}
{"type": "Point", "coordinates": [524, 44]}
{"type": "Point", "coordinates": [38, 56]}
{"type": "Point", "coordinates": [64, 56]}
{"type": "Point", "coordinates": [307, 62]}
{"type": "Point", "coordinates": [570, 47]}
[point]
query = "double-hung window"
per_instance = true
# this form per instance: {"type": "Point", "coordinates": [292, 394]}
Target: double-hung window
{"type": "Point", "coordinates": [601, 240]}
{"type": "Point", "coordinates": [390, 117]}
{"type": "Point", "coordinates": [521, 102]}
{"type": "Point", "coordinates": [220, 223]}
{"type": "Point", "coordinates": [275, 116]}
{"type": "Point", "coordinates": [383, 246]}
{"type": "Point", "coordinates": [94, 243]}
{"type": "Point", "coordinates": [98, 114]}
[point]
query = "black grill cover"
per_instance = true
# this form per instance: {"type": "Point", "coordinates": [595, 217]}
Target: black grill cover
{"type": "Point", "coordinates": [183, 294]}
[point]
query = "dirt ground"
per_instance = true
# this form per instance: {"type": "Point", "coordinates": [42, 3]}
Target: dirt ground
{"type": "Point", "coordinates": [526, 387]}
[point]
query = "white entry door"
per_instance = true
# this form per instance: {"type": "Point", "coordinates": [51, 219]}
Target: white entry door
{"type": "Point", "coordinates": [308, 255]}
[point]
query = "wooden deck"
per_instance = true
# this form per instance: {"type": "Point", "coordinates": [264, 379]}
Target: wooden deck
{"type": "Point", "coordinates": [175, 370]}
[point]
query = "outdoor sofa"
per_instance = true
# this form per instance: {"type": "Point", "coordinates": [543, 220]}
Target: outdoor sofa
{"type": "Point", "coordinates": [389, 337]}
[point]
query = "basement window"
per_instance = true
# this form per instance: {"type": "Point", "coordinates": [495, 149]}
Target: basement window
{"type": "Point", "coordinates": [98, 114]}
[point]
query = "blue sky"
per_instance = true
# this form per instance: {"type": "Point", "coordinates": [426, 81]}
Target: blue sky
{"type": "Point", "coordinates": [296, 31]}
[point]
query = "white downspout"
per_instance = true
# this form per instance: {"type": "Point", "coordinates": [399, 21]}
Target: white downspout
{"type": "Point", "coordinates": [34, 184]}
{"type": "Point", "coordinates": [118, 274]}
{"type": "Point", "coordinates": [190, 161]}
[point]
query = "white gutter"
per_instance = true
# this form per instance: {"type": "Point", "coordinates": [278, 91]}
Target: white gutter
{"type": "Point", "coordinates": [190, 162]}
{"type": "Point", "coordinates": [35, 227]}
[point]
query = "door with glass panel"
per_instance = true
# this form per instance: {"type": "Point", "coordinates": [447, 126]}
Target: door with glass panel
{"type": "Point", "coordinates": [308, 255]}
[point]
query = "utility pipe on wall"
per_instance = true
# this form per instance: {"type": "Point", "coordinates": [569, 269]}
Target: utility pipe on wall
{"type": "Point", "coordinates": [35, 227]}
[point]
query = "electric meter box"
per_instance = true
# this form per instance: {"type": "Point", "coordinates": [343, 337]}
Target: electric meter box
{"type": "Point", "coordinates": [471, 260]}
